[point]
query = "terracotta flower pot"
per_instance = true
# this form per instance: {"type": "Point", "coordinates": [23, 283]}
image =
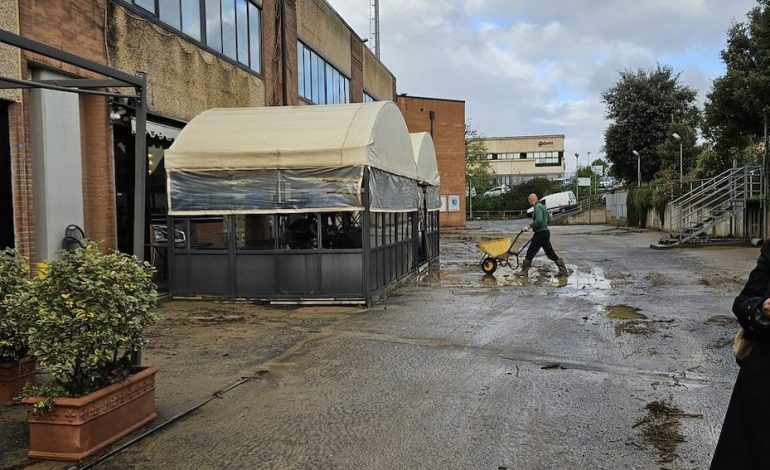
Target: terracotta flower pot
{"type": "Point", "coordinates": [13, 376]}
{"type": "Point", "coordinates": [79, 427]}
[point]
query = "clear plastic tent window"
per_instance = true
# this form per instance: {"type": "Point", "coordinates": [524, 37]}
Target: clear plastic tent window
{"type": "Point", "coordinates": [264, 191]}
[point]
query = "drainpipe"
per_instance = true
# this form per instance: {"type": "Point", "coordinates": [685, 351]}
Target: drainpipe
{"type": "Point", "coordinates": [284, 64]}
{"type": "Point", "coordinates": [431, 116]}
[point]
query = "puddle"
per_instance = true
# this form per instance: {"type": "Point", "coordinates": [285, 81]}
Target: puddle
{"type": "Point", "coordinates": [721, 320]}
{"type": "Point", "coordinates": [624, 312]}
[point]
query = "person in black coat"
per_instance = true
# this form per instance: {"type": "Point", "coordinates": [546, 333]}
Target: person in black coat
{"type": "Point", "coordinates": [744, 442]}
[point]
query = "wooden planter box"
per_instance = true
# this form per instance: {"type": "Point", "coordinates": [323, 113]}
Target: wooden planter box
{"type": "Point", "coordinates": [13, 376]}
{"type": "Point", "coordinates": [79, 427]}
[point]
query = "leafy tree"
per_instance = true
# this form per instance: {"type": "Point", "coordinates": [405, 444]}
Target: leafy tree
{"type": "Point", "coordinates": [736, 106]}
{"type": "Point", "coordinates": [641, 107]}
{"type": "Point", "coordinates": [477, 166]}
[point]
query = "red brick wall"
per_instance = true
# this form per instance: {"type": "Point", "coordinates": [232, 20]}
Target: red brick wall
{"type": "Point", "coordinates": [21, 169]}
{"type": "Point", "coordinates": [272, 60]}
{"type": "Point", "coordinates": [449, 138]}
{"type": "Point", "coordinates": [76, 27]}
{"type": "Point", "coordinates": [98, 172]}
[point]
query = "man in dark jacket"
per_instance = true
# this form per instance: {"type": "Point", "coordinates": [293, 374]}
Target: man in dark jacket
{"type": "Point", "coordinates": [743, 442]}
{"type": "Point", "coordinates": [541, 238]}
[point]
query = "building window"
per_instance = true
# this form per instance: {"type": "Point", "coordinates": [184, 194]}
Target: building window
{"type": "Point", "coordinates": [368, 98]}
{"type": "Point", "coordinates": [547, 159]}
{"type": "Point", "coordinates": [231, 26]}
{"type": "Point", "coordinates": [319, 82]}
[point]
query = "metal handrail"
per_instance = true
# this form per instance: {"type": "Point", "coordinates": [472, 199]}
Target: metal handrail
{"type": "Point", "coordinates": [714, 200]}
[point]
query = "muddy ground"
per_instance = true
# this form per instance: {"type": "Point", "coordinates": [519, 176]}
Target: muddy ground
{"type": "Point", "coordinates": [625, 364]}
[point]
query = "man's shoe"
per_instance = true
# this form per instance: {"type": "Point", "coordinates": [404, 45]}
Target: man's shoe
{"type": "Point", "coordinates": [524, 268]}
{"type": "Point", "coordinates": [562, 267]}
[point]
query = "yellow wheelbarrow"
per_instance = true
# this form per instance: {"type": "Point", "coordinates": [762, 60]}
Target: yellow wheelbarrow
{"type": "Point", "coordinates": [501, 252]}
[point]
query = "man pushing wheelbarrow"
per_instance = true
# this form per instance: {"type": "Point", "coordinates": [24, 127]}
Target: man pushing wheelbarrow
{"type": "Point", "coordinates": [540, 239]}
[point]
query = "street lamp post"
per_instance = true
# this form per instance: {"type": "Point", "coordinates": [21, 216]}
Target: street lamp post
{"type": "Point", "coordinates": [638, 168]}
{"type": "Point", "coordinates": [470, 196]}
{"type": "Point", "coordinates": [681, 171]}
{"type": "Point", "coordinates": [577, 177]}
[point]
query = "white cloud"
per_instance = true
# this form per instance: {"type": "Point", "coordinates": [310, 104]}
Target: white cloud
{"type": "Point", "coordinates": [532, 67]}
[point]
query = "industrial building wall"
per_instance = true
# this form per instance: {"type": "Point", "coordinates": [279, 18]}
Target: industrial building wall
{"type": "Point", "coordinates": [445, 121]}
{"type": "Point", "coordinates": [184, 78]}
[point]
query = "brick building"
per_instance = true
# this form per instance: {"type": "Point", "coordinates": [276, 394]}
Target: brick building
{"type": "Point", "coordinates": [68, 159]}
{"type": "Point", "coordinates": [445, 121]}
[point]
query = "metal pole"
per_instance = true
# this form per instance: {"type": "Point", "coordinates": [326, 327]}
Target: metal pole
{"type": "Point", "coordinates": [470, 195]}
{"type": "Point", "coordinates": [140, 167]}
{"type": "Point", "coordinates": [681, 168]}
{"type": "Point", "coordinates": [638, 169]}
{"type": "Point", "coordinates": [577, 178]}
{"type": "Point", "coordinates": [764, 183]}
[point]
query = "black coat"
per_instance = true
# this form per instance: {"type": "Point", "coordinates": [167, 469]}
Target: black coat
{"type": "Point", "coordinates": [744, 442]}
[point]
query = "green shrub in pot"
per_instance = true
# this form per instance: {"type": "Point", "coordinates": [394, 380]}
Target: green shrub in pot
{"type": "Point", "coordinates": [16, 306]}
{"type": "Point", "coordinates": [92, 310]}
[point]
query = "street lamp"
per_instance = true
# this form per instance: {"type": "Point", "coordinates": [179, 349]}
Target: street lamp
{"type": "Point", "coordinates": [638, 168]}
{"type": "Point", "coordinates": [679, 138]}
{"type": "Point", "coordinates": [577, 176]}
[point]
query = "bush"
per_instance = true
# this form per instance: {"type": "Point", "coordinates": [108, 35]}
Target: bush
{"type": "Point", "coordinates": [92, 309]}
{"type": "Point", "coordinates": [16, 310]}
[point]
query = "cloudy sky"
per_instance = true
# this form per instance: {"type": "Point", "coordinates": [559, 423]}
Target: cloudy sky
{"type": "Point", "coordinates": [538, 66]}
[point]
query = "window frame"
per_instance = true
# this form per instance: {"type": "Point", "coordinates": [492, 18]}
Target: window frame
{"type": "Point", "coordinates": [319, 69]}
{"type": "Point", "coordinates": [154, 17]}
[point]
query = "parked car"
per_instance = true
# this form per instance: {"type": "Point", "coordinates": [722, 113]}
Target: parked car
{"type": "Point", "coordinates": [607, 182]}
{"type": "Point", "coordinates": [497, 191]}
{"type": "Point", "coordinates": [557, 202]}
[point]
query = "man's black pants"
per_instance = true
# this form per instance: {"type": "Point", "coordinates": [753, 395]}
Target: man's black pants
{"type": "Point", "coordinates": [541, 239]}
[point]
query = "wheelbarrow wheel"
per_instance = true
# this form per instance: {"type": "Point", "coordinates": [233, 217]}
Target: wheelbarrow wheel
{"type": "Point", "coordinates": [489, 265]}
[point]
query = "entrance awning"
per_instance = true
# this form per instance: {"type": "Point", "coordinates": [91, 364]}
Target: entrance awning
{"type": "Point", "coordinates": [158, 131]}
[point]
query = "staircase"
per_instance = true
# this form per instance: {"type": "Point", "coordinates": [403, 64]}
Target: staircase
{"type": "Point", "coordinates": [716, 200]}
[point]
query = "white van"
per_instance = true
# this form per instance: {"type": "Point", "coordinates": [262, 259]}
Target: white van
{"type": "Point", "coordinates": [557, 202]}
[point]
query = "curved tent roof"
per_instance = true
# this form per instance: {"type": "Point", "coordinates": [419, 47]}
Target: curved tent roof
{"type": "Point", "coordinates": [425, 158]}
{"type": "Point", "coordinates": [365, 134]}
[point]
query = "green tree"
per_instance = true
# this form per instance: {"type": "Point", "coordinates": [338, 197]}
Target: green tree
{"type": "Point", "coordinates": [735, 108]}
{"type": "Point", "coordinates": [477, 167]}
{"type": "Point", "coordinates": [641, 107]}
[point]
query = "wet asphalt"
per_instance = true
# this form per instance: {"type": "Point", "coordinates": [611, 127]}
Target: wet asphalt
{"type": "Point", "coordinates": [459, 370]}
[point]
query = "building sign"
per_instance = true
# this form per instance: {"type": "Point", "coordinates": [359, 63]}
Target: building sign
{"type": "Point", "coordinates": [454, 203]}
{"type": "Point", "coordinates": [544, 143]}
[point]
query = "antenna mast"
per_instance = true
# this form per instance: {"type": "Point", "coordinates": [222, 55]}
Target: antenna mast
{"type": "Point", "coordinates": [374, 26]}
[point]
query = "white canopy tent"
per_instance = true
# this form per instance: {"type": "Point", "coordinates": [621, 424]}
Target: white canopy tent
{"type": "Point", "coordinates": [292, 159]}
{"type": "Point", "coordinates": [427, 168]}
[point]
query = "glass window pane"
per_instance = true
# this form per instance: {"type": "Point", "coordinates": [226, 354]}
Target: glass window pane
{"type": "Point", "coordinates": [316, 79]}
{"type": "Point", "coordinates": [254, 232]}
{"type": "Point", "coordinates": [148, 5]}
{"type": "Point", "coordinates": [208, 234]}
{"type": "Point", "coordinates": [298, 231]}
{"type": "Point", "coordinates": [170, 13]}
{"type": "Point", "coordinates": [191, 18]}
{"type": "Point", "coordinates": [373, 230]}
{"type": "Point", "coordinates": [213, 25]}
{"type": "Point", "coordinates": [255, 40]}
{"type": "Point", "coordinates": [228, 29]}
{"type": "Point", "coordinates": [345, 91]}
{"type": "Point", "coordinates": [341, 230]}
{"type": "Point", "coordinates": [300, 70]}
{"type": "Point", "coordinates": [180, 234]}
{"type": "Point", "coordinates": [328, 81]}
{"type": "Point", "coordinates": [308, 67]}
{"type": "Point", "coordinates": [242, 31]}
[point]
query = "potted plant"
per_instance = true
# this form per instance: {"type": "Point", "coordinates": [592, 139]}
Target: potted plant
{"type": "Point", "coordinates": [92, 308]}
{"type": "Point", "coordinates": [17, 367]}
